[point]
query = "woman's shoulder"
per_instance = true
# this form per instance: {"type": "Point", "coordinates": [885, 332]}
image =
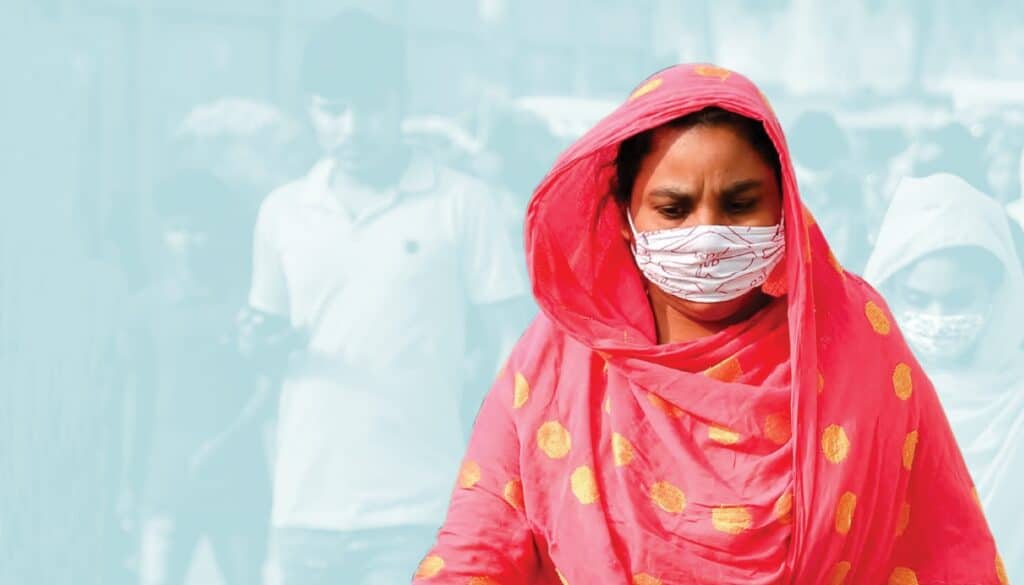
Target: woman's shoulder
{"type": "Point", "coordinates": [539, 348]}
{"type": "Point", "coordinates": [857, 306]}
{"type": "Point", "coordinates": [534, 370]}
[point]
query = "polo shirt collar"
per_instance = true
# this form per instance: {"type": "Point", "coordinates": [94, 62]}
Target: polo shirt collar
{"type": "Point", "coordinates": [420, 175]}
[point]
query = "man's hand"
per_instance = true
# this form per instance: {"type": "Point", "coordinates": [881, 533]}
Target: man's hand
{"type": "Point", "coordinates": [267, 339]}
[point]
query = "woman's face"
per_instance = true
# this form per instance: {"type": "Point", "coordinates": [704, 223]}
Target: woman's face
{"type": "Point", "coordinates": [705, 175]}
{"type": "Point", "coordinates": [938, 285]}
{"type": "Point", "coordinates": [942, 304]}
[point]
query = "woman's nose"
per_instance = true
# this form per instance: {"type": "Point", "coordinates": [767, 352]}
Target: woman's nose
{"type": "Point", "coordinates": [706, 213]}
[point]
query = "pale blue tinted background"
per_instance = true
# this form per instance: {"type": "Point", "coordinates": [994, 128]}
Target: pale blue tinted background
{"type": "Point", "coordinates": [112, 384]}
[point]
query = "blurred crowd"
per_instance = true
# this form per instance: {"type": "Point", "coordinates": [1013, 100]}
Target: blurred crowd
{"type": "Point", "coordinates": [330, 290]}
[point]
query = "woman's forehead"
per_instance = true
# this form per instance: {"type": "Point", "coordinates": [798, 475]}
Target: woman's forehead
{"type": "Point", "coordinates": [952, 269]}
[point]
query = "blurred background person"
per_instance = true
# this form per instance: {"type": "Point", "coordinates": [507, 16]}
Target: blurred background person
{"type": "Point", "coordinates": [949, 148]}
{"type": "Point", "coordinates": [251, 145]}
{"type": "Point", "coordinates": [377, 255]}
{"type": "Point", "coordinates": [516, 152]}
{"type": "Point", "coordinates": [946, 264]}
{"type": "Point", "coordinates": [828, 186]}
{"type": "Point", "coordinates": [875, 150]}
{"type": "Point", "coordinates": [192, 471]}
{"type": "Point", "coordinates": [1004, 145]}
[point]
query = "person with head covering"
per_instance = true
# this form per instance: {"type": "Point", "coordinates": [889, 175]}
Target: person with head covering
{"type": "Point", "coordinates": [946, 261]}
{"type": "Point", "coordinates": [706, 396]}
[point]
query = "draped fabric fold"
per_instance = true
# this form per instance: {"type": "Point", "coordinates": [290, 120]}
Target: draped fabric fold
{"type": "Point", "coordinates": [803, 445]}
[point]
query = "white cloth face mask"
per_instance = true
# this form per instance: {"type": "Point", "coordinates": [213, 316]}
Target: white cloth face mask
{"type": "Point", "coordinates": [939, 338]}
{"type": "Point", "coordinates": [708, 263]}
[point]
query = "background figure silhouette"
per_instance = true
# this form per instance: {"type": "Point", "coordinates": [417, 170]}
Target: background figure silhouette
{"type": "Point", "coordinates": [193, 470]}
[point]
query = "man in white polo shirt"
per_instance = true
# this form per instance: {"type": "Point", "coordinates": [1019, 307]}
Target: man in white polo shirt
{"type": "Point", "coordinates": [378, 255]}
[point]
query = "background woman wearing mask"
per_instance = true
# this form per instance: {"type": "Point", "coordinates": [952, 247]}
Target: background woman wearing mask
{"type": "Point", "coordinates": [947, 264]}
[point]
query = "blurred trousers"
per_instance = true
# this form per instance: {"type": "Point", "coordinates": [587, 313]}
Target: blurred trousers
{"type": "Point", "coordinates": [170, 541]}
{"type": "Point", "coordinates": [379, 556]}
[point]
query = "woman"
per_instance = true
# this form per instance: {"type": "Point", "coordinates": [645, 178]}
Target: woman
{"type": "Point", "coordinates": [946, 260]}
{"type": "Point", "coordinates": [706, 397]}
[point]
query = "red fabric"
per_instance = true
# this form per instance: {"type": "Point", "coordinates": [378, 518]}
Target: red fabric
{"type": "Point", "coordinates": [802, 446]}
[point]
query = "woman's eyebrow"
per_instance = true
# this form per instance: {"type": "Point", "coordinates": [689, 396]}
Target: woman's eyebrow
{"type": "Point", "coordinates": [675, 193]}
{"type": "Point", "coordinates": [741, 187]}
{"type": "Point", "coordinates": [678, 193]}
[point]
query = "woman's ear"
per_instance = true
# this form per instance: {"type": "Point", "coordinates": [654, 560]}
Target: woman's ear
{"type": "Point", "coordinates": [627, 234]}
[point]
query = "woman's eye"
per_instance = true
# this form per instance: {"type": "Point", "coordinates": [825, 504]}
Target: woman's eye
{"type": "Point", "coordinates": [959, 300]}
{"type": "Point", "coordinates": [741, 206]}
{"type": "Point", "coordinates": [672, 211]}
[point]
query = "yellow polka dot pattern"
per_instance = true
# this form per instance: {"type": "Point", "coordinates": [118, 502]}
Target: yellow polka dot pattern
{"type": "Point", "coordinates": [728, 370]}
{"type": "Point", "coordinates": [646, 88]}
{"type": "Point", "coordinates": [514, 493]}
{"type": "Point", "coordinates": [821, 382]}
{"type": "Point", "coordinates": [584, 486]}
{"type": "Point", "coordinates": [668, 497]}
{"type": "Point", "coordinates": [876, 317]}
{"type": "Point", "coordinates": [839, 573]}
{"type": "Point", "coordinates": [904, 519]}
{"type": "Point", "coordinates": [909, 447]}
{"type": "Point", "coordinates": [902, 576]}
{"type": "Point", "coordinates": [902, 383]}
{"type": "Point", "coordinates": [1001, 571]}
{"type": "Point", "coordinates": [554, 440]}
{"type": "Point", "coordinates": [835, 444]}
{"type": "Point", "coordinates": [622, 450]}
{"type": "Point", "coordinates": [664, 406]}
{"type": "Point", "coordinates": [783, 509]}
{"type": "Point", "coordinates": [712, 71]}
{"type": "Point", "coordinates": [778, 428]}
{"type": "Point", "coordinates": [723, 435]}
{"type": "Point", "coordinates": [645, 579]}
{"type": "Point", "coordinates": [844, 512]}
{"type": "Point", "coordinates": [469, 474]}
{"type": "Point", "coordinates": [731, 519]}
{"type": "Point", "coordinates": [522, 391]}
{"type": "Point", "coordinates": [608, 405]}
{"type": "Point", "coordinates": [429, 567]}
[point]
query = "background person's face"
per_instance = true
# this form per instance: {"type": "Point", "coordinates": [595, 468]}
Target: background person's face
{"type": "Point", "coordinates": [183, 242]}
{"type": "Point", "coordinates": [942, 303]}
{"type": "Point", "coordinates": [362, 135]}
{"type": "Point", "coordinates": [940, 285]}
{"type": "Point", "coordinates": [704, 176]}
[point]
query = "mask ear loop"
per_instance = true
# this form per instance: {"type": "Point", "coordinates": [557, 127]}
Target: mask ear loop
{"type": "Point", "coordinates": [636, 236]}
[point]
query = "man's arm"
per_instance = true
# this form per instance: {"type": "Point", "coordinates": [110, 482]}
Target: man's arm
{"type": "Point", "coordinates": [265, 337]}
